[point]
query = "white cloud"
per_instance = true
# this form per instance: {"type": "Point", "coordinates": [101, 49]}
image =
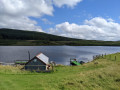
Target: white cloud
{"type": "Point", "coordinates": [46, 21]}
{"type": "Point", "coordinates": [110, 20]}
{"type": "Point", "coordinates": [22, 23]}
{"type": "Point", "coordinates": [16, 13]}
{"type": "Point", "coordinates": [97, 28]}
{"type": "Point", "coordinates": [69, 3]}
{"type": "Point", "coordinates": [119, 17]}
{"type": "Point", "coordinates": [26, 7]}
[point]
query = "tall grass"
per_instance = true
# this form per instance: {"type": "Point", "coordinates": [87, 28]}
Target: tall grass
{"type": "Point", "coordinates": [101, 74]}
{"type": "Point", "coordinates": [7, 69]}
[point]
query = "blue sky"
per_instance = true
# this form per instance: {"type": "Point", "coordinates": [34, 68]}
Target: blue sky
{"type": "Point", "coordinates": [87, 9]}
{"type": "Point", "coordinates": [100, 19]}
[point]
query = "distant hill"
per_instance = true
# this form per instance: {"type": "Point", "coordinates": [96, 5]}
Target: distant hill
{"type": "Point", "coordinates": [32, 38]}
{"type": "Point", "coordinates": [30, 35]}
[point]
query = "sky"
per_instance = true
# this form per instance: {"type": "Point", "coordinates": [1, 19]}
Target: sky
{"type": "Point", "coordinates": [83, 19]}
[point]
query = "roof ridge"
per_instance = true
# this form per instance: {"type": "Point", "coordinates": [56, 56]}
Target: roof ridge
{"type": "Point", "coordinates": [41, 60]}
{"type": "Point", "coordinates": [38, 54]}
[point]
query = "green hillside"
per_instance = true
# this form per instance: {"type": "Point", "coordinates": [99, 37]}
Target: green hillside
{"type": "Point", "coordinates": [32, 38]}
{"type": "Point", "coordinates": [30, 35]}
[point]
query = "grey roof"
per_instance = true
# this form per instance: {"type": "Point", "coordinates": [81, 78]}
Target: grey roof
{"type": "Point", "coordinates": [43, 57]}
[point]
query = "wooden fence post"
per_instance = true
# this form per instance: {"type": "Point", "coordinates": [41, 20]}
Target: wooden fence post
{"type": "Point", "coordinates": [93, 57]}
{"type": "Point", "coordinates": [99, 56]}
{"type": "Point", "coordinates": [115, 58]}
{"type": "Point", "coordinates": [102, 56]}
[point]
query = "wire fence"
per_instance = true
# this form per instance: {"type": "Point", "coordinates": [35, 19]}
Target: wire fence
{"type": "Point", "coordinates": [114, 57]}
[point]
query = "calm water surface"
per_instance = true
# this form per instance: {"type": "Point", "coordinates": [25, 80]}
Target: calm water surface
{"type": "Point", "coordinates": [59, 54]}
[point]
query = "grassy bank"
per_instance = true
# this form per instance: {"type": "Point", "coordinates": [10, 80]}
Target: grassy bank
{"type": "Point", "coordinates": [10, 42]}
{"type": "Point", "coordinates": [101, 74]}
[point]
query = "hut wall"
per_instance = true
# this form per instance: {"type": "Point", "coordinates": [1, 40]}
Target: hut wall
{"type": "Point", "coordinates": [35, 64]}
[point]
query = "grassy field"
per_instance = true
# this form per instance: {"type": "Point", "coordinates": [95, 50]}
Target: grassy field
{"type": "Point", "coordinates": [100, 74]}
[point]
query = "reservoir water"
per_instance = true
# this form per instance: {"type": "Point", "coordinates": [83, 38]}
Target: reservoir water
{"type": "Point", "coordinates": [59, 54]}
